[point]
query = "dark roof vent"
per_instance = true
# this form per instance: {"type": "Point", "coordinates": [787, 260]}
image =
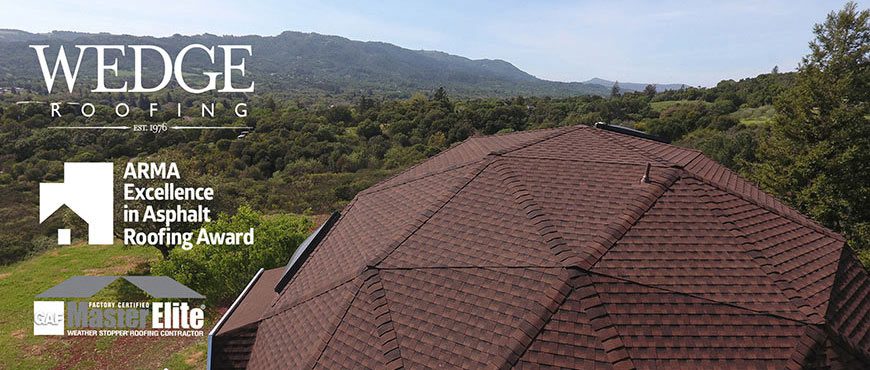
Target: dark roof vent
{"type": "Point", "coordinates": [304, 250]}
{"type": "Point", "coordinates": [645, 179]}
{"type": "Point", "coordinates": [630, 131]}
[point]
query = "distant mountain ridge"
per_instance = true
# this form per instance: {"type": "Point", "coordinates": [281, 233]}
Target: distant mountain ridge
{"type": "Point", "coordinates": [633, 86]}
{"type": "Point", "coordinates": [295, 62]}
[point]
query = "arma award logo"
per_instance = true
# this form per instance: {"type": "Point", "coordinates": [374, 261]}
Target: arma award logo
{"type": "Point", "coordinates": [150, 212]}
{"type": "Point", "coordinates": [87, 191]}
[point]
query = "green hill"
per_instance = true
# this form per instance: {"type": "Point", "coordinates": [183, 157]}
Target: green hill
{"type": "Point", "coordinates": [294, 62]}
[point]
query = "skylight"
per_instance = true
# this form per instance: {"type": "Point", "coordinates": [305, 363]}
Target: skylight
{"type": "Point", "coordinates": [304, 250]}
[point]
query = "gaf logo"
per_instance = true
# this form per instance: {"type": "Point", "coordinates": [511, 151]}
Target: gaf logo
{"type": "Point", "coordinates": [87, 190]}
{"type": "Point", "coordinates": [48, 318]}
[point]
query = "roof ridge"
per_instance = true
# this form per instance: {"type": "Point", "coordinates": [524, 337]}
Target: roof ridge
{"type": "Point", "coordinates": [638, 206]}
{"type": "Point", "coordinates": [426, 215]}
{"type": "Point", "coordinates": [329, 231]}
{"type": "Point", "coordinates": [642, 202]}
{"type": "Point", "coordinates": [496, 267]}
{"type": "Point", "coordinates": [502, 134]}
{"type": "Point", "coordinates": [459, 267]}
{"type": "Point", "coordinates": [306, 298]}
{"type": "Point", "coordinates": [748, 247]}
{"type": "Point", "coordinates": [458, 144]}
{"type": "Point", "coordinates": [565, 289]}
{"type": "Point", "coordinates": [380, 187]}
{"type": "Point", "coordinates": [651, 141]}
{"type": "Point", "coordinates": [278, 296]}
{"type": "Point", "coordinates": [341, 216]}
{"type": "Point", "coordinates": [602, 133]}
{"type": "Point", "coordinates": [383, 319]}
{"type": "Point", "coordinates": [554, 134]}
{"type": "Point", "coordinates": [248, 326]}
{"type": "Point", "coordinates": [418, 164]}
{"type": "Point", "coordinates": [599, 319]}
{"type": "Point", "coordinates": [421, 219]}
{"type": "Point", "coordinates": [535, 213]}
{"type": "Point", "coordinates": [666, 165]}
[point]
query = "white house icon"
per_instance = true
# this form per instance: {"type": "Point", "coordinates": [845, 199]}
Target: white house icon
{"type": "Point", "coordinates": [87, 190]}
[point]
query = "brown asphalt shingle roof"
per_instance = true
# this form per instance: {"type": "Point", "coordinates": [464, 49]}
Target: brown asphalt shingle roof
{"type": "Point", "coordinates": [543, 249]}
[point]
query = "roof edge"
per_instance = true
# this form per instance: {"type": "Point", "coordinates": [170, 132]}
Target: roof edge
{"type": "Point", "coordinates": [226, 315]}
{"type": "Point", "coordinates": [554, 131]}
{"type": "Point", "coordinates": [803, 220]}
{"type": "Point", "coordinates": [629, 131]}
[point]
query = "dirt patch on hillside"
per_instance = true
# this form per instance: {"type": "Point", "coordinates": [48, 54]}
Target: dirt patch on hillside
{"type": "Point", "coordinates": [118, 265]}
{"type": "Point", "coordinates": [194, 358]}
{"type": "Point", "coordinates": [18, 334]}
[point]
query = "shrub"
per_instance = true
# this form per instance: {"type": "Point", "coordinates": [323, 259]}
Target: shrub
{"type": "Point", "coordinates": [220, 272]}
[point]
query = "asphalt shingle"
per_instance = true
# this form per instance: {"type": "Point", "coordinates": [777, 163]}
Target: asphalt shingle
{"type": "Point", "coordinates": [544, 249]}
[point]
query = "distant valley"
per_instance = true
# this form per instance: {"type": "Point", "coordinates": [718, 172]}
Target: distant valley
{"type": "Point", "coordinates": [633, 86]}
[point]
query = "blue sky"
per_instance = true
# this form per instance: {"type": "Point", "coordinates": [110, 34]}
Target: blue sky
{"type": "Point", "coordinates": [693, 42]}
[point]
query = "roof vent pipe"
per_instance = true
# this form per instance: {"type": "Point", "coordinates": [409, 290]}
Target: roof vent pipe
{"type": "Point", "coordinates": [645, 178]}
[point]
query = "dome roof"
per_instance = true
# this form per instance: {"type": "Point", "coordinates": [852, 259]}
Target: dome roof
{"type": "Point", "coordinates": [546, 249]}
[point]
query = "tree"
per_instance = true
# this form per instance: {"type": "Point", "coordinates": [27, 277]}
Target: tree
{"type": "Point", "coordinates": [143, 102]}
{"type": "Point", "coordinates": [614, 91]}
{"type": "Point", "coordinates": [817, 153]}
{"type": "Point", "coordinates": [441, 95]}
{"type": "Point", "coordinates": [220, 271]}
{"type": "Point", "coordinates": [649, 90]}
{"type": "Point", "coordinates": [775, 70]}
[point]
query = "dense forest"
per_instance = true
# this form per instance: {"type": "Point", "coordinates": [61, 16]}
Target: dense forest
{"type": "Point", "coordinates": [802, 135]}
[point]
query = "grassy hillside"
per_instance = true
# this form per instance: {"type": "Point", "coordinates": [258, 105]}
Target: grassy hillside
{"type": "Point", "coordinates": [659, 106]}
{"type": "Point", "coordinates": [749, 116]}
{"type": "Point", "coordinates": [22, 281]}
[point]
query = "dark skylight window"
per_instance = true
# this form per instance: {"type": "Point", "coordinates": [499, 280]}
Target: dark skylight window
{"type": "Point", "coordinates": [304, 250]}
